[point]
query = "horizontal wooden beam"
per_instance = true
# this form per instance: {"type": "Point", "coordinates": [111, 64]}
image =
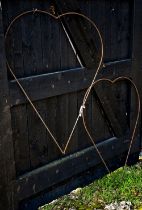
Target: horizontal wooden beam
{"type": "Point", "coordinates": [58, 83]}
{"type": "Point", "coordinates": [69, 185]}
{"type": "Point", "coordinates": [58, 171]}
{"type": "Point", "coordinates": [116, 69]}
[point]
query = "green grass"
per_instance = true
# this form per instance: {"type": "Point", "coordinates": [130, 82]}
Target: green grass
{"type": "Point", "coordinates": [123, 184]}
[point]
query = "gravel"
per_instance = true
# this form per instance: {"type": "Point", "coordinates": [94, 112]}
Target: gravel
{"type": "Point", "coordinates": [123, 205]}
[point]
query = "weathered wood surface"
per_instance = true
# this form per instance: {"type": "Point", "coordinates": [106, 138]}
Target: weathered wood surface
{"type": "Point", "coordinates": [48, 85]}
{"type": "Point", "coordinates": [40, 179]}
{"type": "Point", "coordinates": [7, 163]}
{"type": "Point", "coordinates": [42, 58]}
{"type": "Point", "coordinates": [80, 180]}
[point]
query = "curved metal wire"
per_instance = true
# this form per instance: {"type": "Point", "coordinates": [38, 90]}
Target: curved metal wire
{"type": "Point", "coordinates": [87, 93]}
{"type": "Point", "coordinates": [63, 151]}
{"type": "Point", "coordinates": [137, 115]}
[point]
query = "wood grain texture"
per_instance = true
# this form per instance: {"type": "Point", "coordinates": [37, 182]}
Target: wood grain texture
{"type": "Point", "coordinates": [37, 180]}
{"type": "Point", "coordinates": [42, 58]}
{"type": "Point", "coordinates": [136, 55]}
{"type": "Point", "coordinates": [7, 164]}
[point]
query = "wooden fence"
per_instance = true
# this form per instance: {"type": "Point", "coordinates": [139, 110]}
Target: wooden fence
{"type": "Point", "coordinates": [55, 61]}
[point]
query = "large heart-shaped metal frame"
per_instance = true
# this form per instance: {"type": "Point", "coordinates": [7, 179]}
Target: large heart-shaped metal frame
{"type": "Point", "coordinates": [62, 150]}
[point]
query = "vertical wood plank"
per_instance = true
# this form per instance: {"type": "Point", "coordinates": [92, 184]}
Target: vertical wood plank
{"type": "Point", "coordinates": [7, 165]}
{"type": "Point", "coordinates": [51, 110]}
{"type": "Point", "coordinates": [19, 114]}
{"type": "Point", "coordinates": [19, 123]}
{"type": "Point", "coordinates": [27, 37]}
{"type": "Point", "coordinates": [100, 126]}
{"type": "Point", "coordinates": [78, 29]}
{"type": "Point", "coordinates": [72, 115]}
{"type": "Point", "coordinates": [107, 31]}
{"type": "Point", "coordinates": [50, 35]}
{"type": "Point", "coordinates": [32, 56]}
{"type": "Point", "coordinates": [136, 49]}
{"type": "Point", "coordinates": [83, 139]}
{"type": "Point", "coordinates": [37, 136]}
{"type": "Point", "coordinates": [124, 29]}
{"type": "Point", "coordinates": [68, 103]}
{"type": "Point", "coordinates": [51, 43]}
{"type": "Point", "coordinates": [136, 53]}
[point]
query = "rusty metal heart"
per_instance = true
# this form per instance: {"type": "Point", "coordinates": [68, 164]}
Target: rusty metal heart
{"type": "Point", "coordinates": [62, 150]}
{"type": "Point", "coordinates": [112, 82]}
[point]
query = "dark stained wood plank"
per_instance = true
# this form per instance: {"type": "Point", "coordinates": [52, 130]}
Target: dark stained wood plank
{"type": "Point", "coordinates": [5, 14]}
{"type": "Point", "coordinates": [51, 58]}
{"type": "Point", "coordinates": [100, 18]}
{"type": "Point", "coordinates": [7, 164]}
{"type": "Point", "coordinates": [93, 59]}
{"type": "Point", "coordinates": [78, 30]}
{"type": "Point", "coordinates": [83, 139]}
{"type": "Point", "coordinates": [14, 45]}
{"type": "Point", "coordinates": [68, 55]}
{"type": "Point", "coordinates": [62, 120]}
{"type": "Point", "coordinates": [51, 116]}
{"type": "Point", "coordinates": [55, 43]}
{"type": "Point", "coordinates": [32, 62]}
{"type": "Point", "coordinates": [107, 31]}
{"type": "Point", "coordinates": [112, 97]}
{"type": "Point", "coordinates": [47, 33]}
{"type": "Point", "coordinates": [136, 50]}
{"type": "Point", "coordinates": [9, 43]}
{"type": "Point", "coordinates": [37, 135]}
{"type": "Point", "coordinates": [116, 69]}
{"type": "Point", "coordinates": [27, 41]}
{"type": "Point", "coordinates": [136, 54]}
{"type": "Point", "coordinates": [36, 40]}
{"type": "Point", "coordinates": [114, 21]}
{"type": "Point", "coordinates": [81, 180]}
{"type": "Point", "coordinates": [37, 180]}
{"type": "Point", "coordinates": [67, 109]}
{"type": "Point", "coordinates": [122, 103]}
{"type": "Point", "coordinates": [19, 122]}
{"type": "Point", "coordinates": [72, 115]}
{"type": "Point", "coordinates": [48, 85]}
{"type": "Point", "coordinates": [18, 114]}
{"type": "Point", "coordinates": [120, 36]}
{"type": "Point", "coordinates": [124, 29]}
{"type": "Point", "coordinates": [37, 132]}
{"type": "Point", "coordinates": [51, 43]}
{"type": "Point", "coordinates": [100, 128]}
{"type": "Point", "coordinates": [114, 28]}
{"type": "Point", "coordinates": [62, 130]}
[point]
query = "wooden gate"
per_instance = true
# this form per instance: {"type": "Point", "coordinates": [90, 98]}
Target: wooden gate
{"type": "Point", "coordinates": [55, 61]}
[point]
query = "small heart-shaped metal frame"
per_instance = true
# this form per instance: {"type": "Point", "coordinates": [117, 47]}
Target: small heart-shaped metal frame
{"type": "Point", "coordinates": [136, 120]}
